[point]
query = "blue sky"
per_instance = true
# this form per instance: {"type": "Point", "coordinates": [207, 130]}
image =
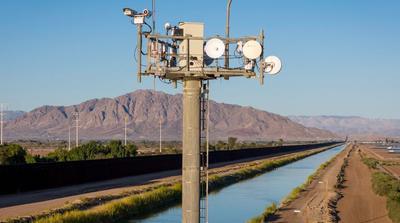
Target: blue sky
{"type": "Point", "coordinates": [340, 57]}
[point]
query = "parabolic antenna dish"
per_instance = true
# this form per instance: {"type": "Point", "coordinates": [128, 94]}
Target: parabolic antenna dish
{"type": "Point", "coordinates": [273, 65]}
{"type": "Point", "coordinates": [214, 48]}
{"type": "Point", "coordinates": [252, 49]}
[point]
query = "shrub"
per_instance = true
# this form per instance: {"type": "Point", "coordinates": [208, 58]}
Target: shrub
{"type": "Point", "coordinates": [386, 185]}
{"type": "Point", "coordinates": [382, 183]}
{"type": "Point", "coordinates": [12, 154]}
{"type": "Point", "coordinates": [94, 150]}
{"type": "Point", "coordinates": [370, 162]}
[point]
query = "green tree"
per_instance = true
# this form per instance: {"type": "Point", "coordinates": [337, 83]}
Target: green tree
{"type": "Point", "coordinates": [221, 145]}
{"type": "Point", "coordinates": [131, 150]}
{"type": "Point", "coordinates": [280, 142]}
{"type": "Point", "coordinates": [58, 155]}
{"type": "Point", "coordinates": [12, 154]}
{"type": "Point", "coordinates": [94, 150]}
{"type": "Point", "coordinates": [116, 149]}
{"type": "Point", "coordinates": [231, 142]}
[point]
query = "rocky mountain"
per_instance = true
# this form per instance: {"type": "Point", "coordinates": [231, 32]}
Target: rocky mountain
{"type": "Point", "coordinates": [104, 119]}
{"type": "Point", "coordinates": [354, 126]}
{"type": "Point", "coordinates": [12, 115]}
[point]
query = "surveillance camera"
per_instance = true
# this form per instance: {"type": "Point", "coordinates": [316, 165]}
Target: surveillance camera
{"type": "Point", "coordinates": [129, 12]}
{"type": "Point", "coordinates": [147, 13]}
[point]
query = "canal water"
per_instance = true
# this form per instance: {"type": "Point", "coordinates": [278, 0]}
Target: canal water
{"type": "Point", "coordinates": [246, 199]}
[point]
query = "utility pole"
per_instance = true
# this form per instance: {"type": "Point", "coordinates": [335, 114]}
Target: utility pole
{"type": "Point", "coordinates": [159, 114]}
{"type": "Point", "coordinates": [1, 123]}
{"type": "Point", "coordinates": [125, 130]}
{"type": "Point", "coordinates": [69, 137]}
{"type": "Point", "coordinates": [76, 117]}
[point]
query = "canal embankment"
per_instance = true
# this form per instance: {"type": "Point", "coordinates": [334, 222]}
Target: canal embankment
{"type": "Point", "coordinates": [241, 201]}
{"type": "Point", "coordinates": [359, 202]}
{"type": "Point", "coordinates": [310, 201]}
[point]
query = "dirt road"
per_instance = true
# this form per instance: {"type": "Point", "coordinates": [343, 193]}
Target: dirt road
{"type": "Point", "coordinates": [360, 203]}
{"type": "Point", "coordinates": [312, 204]}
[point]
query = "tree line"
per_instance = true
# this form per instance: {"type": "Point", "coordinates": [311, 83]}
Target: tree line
{"type": "Point", "coordinates": [16, 154]}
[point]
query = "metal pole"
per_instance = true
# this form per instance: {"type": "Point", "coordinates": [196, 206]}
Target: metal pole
{"type": "Point", "coordinates": [69, 137]}
{"type": "Point", "coordinates": [191, 152]}
{"type": "Point", "coordinates": [154, 16]}
{"type": "Point", "coordinates": [228, 13]}
{"type": "Point", "coordinates": [1, 124]}
{"type": "Point", "coordinates": [125, 131]}
{"type": "Point", "coordinates": [207, 144]}
{"type": "Point", "coordinates": [139, 52]}
{"type": "Point", "coordinates": [77, 130]}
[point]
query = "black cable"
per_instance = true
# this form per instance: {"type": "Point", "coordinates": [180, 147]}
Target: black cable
{"type": "Point", "coordinates": [151, 29]}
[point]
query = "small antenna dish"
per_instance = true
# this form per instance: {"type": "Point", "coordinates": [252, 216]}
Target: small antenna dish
{"type": "Point", "coordinates": [167, 26]}
{"type": "Point", "coordinates": [252, 49]}
{"type": "Point", "coordinates": [239, 47]}
{"type": "Point", "coordinates": [272, 65]}
{"type": "Point", "coordinates": [214, 48]}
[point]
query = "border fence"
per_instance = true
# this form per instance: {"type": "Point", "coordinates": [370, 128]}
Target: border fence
{"type": "Point", "coordinates": [37, 176]}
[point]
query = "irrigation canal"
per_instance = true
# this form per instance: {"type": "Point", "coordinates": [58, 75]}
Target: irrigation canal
{"type": "Point", "coordinates": [244, 200]}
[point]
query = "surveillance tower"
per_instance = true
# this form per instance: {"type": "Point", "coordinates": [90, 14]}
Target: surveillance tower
{"type": "Point", "coordinates": [184, 55]}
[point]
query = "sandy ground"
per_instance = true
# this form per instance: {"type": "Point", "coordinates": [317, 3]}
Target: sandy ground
{"type": "Point", "coordinates": [392, 160]}
{"type": "Point", "coordinates": [381, 153]}
{"type": "Point", "coordinates": [312, 204]}
{"type": "Point", "coordinates": [33, 203]}
{"type": "Point", "coordinates": [360, 203]}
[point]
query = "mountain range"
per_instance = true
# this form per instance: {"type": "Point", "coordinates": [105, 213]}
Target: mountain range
{"type": "Point", "coordinates": [11, 115]}
{"type": "Point", "coordinates": [353, 126]}
{"type": "Point", "coordinates": [105, 119]}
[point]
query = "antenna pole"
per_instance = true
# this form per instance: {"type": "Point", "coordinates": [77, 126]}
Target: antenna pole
{"type": "Point", "coordinates": [154, 15]}
{"type": "Point", "coordinates": [69, 137]}
{"type": "Point", "coordinates": [139, 52]}
{"type": "Point", "coordinates": [125, 131]}
{"type": "Point", "coordinates": [1, 124]}
{"type": "Point", "coordinates": [191, 151]}
{"type": "Point", "coordinates": [207, 144]}
{"type": "Point", "coordinates": [228, 14]}
{"type": "Point", "coordinates": [77, 129]}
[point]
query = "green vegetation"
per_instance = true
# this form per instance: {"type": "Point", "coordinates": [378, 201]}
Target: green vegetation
{"type": "Point", "coordinates": [94, 150]}
{"type": "Point", "coordinates": [386, 185]}
{"type": "Point", "coordinates": [145, 203]}
{"type": "Point", "coordinates": [124, 208]}
{"type": "Point", "coordinates": [231, 142]}
{"type": "Point", "coordinates": [269, 211]}
{"type": "Point", "coordinates": [14, 154]}
{"type": "Point", "coordinates": [370, 162]}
